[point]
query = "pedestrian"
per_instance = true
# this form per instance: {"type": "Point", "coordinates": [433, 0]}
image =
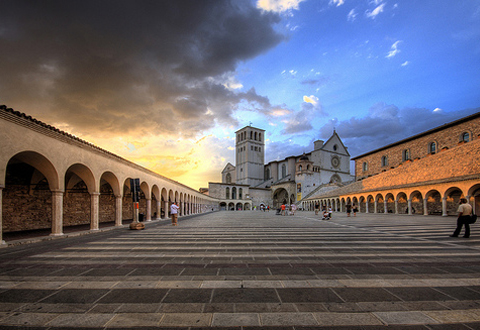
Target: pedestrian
{"type": "Point", "coordinates": [330, 211]}
{"type": "Point", "coordinates": [293, 208]}
{"type": "Point", "coordinates": [174, 213]}
{"type": "Point", "coordinates": [268, 208]}
{"type": "Point", "coordinates": [283, 209]}
{"type": "Point", "coordinates": [464, 213]}
{"type": "Point", "coordinates": [317, 208]}
{"type": "Point", "coordinates": [349, 209]}
{"type": "Point", "coordinates": [355, 210]}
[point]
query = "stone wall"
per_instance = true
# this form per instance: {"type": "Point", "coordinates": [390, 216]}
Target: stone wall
{"type": "Point", "coordinates": [418, 147]}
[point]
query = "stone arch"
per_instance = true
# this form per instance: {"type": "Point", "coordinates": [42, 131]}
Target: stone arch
{"type": "Point", "coordinates": [223, 206]}
{"type": "Point", "coordinates": [81, 193]}
{"type": "Point", "coordinates": [362, 204]}
{"type": "Point", "coordinates": [239, 207]}
{"type": "Point", "coordinates": [452, 197]}
{"type": "Point", "coordinates": [416, 202]}
{"type": "Point", "coordinates": [109, 194]}
{"type": "Point", "coordinates": [30, 181]}
{"type": "Point", "coordinates": [231, 206]}
{"type": "Point", "coordinates": [379, 199]}
{"type": "Point", "coordinates": [402, 203]}
{"type": "Point", "coordinates": [390, 203]}
{"type": "Point", "coordinates": [474, 193]}
{"type": "Point", "coordinates": [280, 196]}
{"type": "Point", "coordinates": [433, 202]}
{"type": "Point", "coordinates": [370, 205]}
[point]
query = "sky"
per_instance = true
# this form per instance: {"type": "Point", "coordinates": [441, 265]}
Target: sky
{"type": "Point", "coordinates": [166, 84]}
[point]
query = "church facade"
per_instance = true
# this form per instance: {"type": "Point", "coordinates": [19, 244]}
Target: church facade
{"type": "Point", "coordinates": [280, 181]}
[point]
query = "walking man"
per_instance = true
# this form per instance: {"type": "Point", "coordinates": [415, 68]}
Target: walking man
{"type": "Point", "coordinates": [464, 213]}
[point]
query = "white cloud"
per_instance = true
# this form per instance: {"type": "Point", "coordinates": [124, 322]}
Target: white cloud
{"type": "Point", "coordinates": [405, 63]}
{"type": "Point", "coordinates": [311, 99]}
{"type": "Point", "coordinates": [337, 2]}
{"type": "Point", "coordinates": [279, 5]}
{"type": "Point", "coordinates": [373, 14]}
{"type": "Point", "coordinates": [394, 50]}
{"type": "Point", "coordinates": [352, 15]}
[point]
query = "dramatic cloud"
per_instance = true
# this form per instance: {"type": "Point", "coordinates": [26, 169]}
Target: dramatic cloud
{"type": "Point", "coordinates": [301, 121]}
{"type": "Point", "coordinates": [279, 5]}
{"type": "Point", "coordinates": [127, 67]}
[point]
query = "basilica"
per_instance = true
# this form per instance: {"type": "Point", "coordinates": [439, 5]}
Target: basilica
{"type": "Point", "coordinates": [253, 183]}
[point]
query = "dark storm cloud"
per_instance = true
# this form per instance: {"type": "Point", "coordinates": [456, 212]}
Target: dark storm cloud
{"type": "Point", "coordinates": [120, 65]}
{"type": "Point", "coordinates": [386, 124]}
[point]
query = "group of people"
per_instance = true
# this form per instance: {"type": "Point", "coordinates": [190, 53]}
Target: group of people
{"type": "Point", "coordinates": [326, 212]}
{"type": "Point", "coordinates": [288, 210]}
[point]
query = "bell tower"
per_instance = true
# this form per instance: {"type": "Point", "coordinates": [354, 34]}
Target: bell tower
{"type": "Point", "coordinates": [250, 155]}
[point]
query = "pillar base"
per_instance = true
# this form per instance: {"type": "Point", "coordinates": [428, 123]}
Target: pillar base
{"type": "Point", "coordinates": [61, 234]}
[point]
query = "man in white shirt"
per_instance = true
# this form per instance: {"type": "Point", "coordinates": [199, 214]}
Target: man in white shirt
{"type": "Point", "coordinates": [464, 213]}
{"type": "Point", "coordinates": [174, 213]}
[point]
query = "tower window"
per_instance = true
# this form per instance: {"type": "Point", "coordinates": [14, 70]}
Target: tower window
{"type": "Point", "coordinates": [465, 137]}
{"type": "Point", "coordinates": [365, 166]}
{"type": "Point", "coordinates": [432, 148]}
{"type": "Point", "coordinates": [405, 154]}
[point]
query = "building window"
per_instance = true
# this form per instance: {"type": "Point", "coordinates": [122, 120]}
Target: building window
{"type": "Point", "coordinates": [259, 149]}
{"type": "Point", "coordinates": [259, 136]}
{"type": "Point", "coordinates": [300, 168]}
{"type": "Point", "coordinates": [384, 161]}
{"type": "Point", "coordinates": [227, 193]}
{"type": "Point", "coordinates": [267, 174]}
{"type": "Point", "coordinates": [284, 171]}
{"type": "Point", "coordinates": [228, 178]}
{"type": "Point", "coordinates": [256, 148]}
{"type": "Point", "coordinates": [365, 166]}
{"type": "Point", "coordinates": [251, 135]}
{"type": "Point", "coordinates": [465, 137]}
{"type": "Point", "coordinates": [405, 155]}
{"type": "Point", "coordinates": [335, 147]}
{"type": "Point", "coordinates": [432, 148]}
{"type": "Point", "coordinates": [255, 136]}
{"type": "Point", "coordinates": [240, 192]}
{"type": "Point", "coordinates": [234, 193]}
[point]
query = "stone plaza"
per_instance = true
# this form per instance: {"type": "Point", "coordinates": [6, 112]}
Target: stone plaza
{"type": "Point", "coordinates": [247, 270]}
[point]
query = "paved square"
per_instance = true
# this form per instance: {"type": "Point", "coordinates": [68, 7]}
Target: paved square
{"type": "Point", "coordinates": [248, 270]}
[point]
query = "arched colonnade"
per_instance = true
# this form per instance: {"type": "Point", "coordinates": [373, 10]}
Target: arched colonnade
{"type": "Point", "coordinates": [441, 199]}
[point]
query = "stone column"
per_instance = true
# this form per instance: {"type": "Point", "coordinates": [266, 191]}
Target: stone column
{"type": "Point", "coordinates": [118, 210]}
{"type": "Point", "coordinates": [95, 201]}
{"type": "Point", "coordinates": [444, 207]}
{"type": "Point", "coordinates": [385, 206]}
{"type": "Point", "coordinates": [1, 220]}
{"type": "Point", "coordinates": [166, 209]}
{"type": "Point", "coordinates": [425, 211]}
{"type": "Point", "coordinates": [149, 210]}
{"type": "Point", "coordinates": [375, 206]}
{"type": "Point", "coordinates": [396, 206]}
{"type": "Point", "coordinates": [366, 206]}
{"type": "Point", "coordinates": [57, 213]}
{"type": "Point", "coordinates": [409, 207]}
{"type": "Point", "coordinates": [159, 210]}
